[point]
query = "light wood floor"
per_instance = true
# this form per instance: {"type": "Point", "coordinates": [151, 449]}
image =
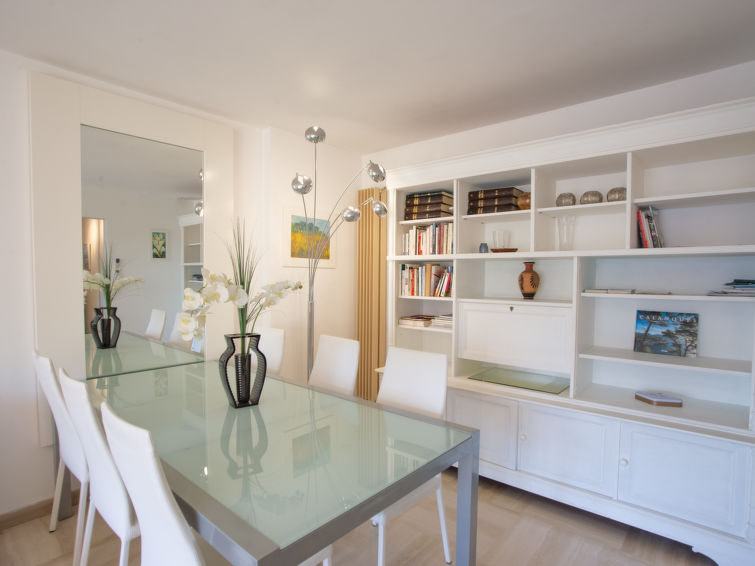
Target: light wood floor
{"type": "Point", "coordinates": [514, 528]}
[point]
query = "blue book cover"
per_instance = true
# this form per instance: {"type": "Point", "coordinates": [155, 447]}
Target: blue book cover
{"type": "Point", "coordinates": [668, 333]}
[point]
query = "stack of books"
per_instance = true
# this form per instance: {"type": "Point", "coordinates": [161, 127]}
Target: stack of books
{"type": "Point", "coordinates": [416, 320]}
{"type": "Point", "coordinates": [442, 321]}
{"type": "Point", "coordinates": [435, 238]}
{"type": "Point", "coordinates": [429, 280]}
{"type": "Point", "coordinates": [737, 287]}
{"type": "Point", "coordinates": [493, 200]}
{"type": "Point", "coordinates": [648, 229]}
{"type": "Point", "coordinates": [429, 204]}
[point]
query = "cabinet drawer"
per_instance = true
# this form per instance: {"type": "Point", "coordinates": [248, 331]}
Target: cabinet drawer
{"type": "Point", "coordinates": [698, 478]}
{"type": "Point", "coordinates": [570, 447]}
{"type": "Point", "coordinates": [533, 337]}
{"type": "Point", "coordinates": [495, 418]}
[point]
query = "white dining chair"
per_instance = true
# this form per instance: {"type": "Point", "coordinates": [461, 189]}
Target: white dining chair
{"type": "Point", "coordinates": [336, 363]}
{"type": "Point", "coordinates": [156, 325]}
{"type": "Point", "coordinates": [271, 344]}
{"type": "Point", "coordinates": [166, 537]}
{"type": "Point", "coordinates": [414, 381]}
{"type": "Point", "coordinates": [107, 494]}
{"type": "Point", "coordinates": [174, 338]}
{"type": "Point", "coordinates": [72, 454]}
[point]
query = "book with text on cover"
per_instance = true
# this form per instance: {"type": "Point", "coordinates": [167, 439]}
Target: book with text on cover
{"type": "Point", "coordinates": [667, 333]}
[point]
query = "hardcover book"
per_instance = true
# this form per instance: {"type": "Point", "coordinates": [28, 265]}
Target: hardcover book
{"type": "Point", "coordinates": [445, 198]}
{"type": "Point", "coordinates": [428, 208]}
{"type": "Point", "coordinates": [489, 209]}
{"type": "Point", "coordinates": [423, 215]}
{"type": "Point", "coordinates": [491, 201]}
{"type": "Point", "coordinates": [492, 193]}
{"type": "Point", "coordinates": [667, 333]}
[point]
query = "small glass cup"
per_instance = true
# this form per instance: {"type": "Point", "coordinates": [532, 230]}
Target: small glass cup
{"type": "Point", "coordinates": [565, 227]}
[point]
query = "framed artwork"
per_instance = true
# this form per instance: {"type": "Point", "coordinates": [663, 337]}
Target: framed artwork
{"type": "Point", "coordinates": [295, 235]}
{"type": "Point", "coordinates": [159, 245]}
{"type": "Point", "coordinates": [668, 333]}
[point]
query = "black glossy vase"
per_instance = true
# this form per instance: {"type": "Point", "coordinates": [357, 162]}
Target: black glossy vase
{"type": "Point", "coordinates": [245, 393]}
{"type": "Point", "coordinates": [105, 327]}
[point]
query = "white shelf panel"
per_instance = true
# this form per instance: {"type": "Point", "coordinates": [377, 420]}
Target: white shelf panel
{"type": "Point", "coordinates": [708, 198]}
{"type": "Point", "coordinates": [425, 329]}
{"type": "Point", "coordinates": [584, 209]}
{"type": "Point", "coordinates": [671, 297]}
{"type": "Point", "coordinates": [423, 221]}
{"type": "Point", "coordinates": [194, 282]}
{"type": "Point", "coordinates": [720, 365]}
{"type": "Point", "coordinates": [495, 216]}
{"type": "Point", "coordinates": [193, 264]}
{"type": "Point", "coordinates": [423, 298]}
{"type": "Point", "coordinates": [518, 301]}
{"type": "Point", "coordinates": [424, 257]}
{"type": "Point", "coordinates": [693, 410]}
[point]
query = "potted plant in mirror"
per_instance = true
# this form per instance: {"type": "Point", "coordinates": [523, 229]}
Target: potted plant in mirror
{"type": "Point", "coordinates": [106, 326]}
{"type": "Point", "coordinates": [219, 288]}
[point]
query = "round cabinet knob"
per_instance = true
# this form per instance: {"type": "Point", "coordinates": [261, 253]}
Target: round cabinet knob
{"type": "Point", "coordinates": [522, 437]}
{"type": "Point", "coordinates": [623, 462]}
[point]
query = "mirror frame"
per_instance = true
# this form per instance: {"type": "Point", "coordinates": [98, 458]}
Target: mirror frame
{"type": "Point", "coordinates": [58, 108]}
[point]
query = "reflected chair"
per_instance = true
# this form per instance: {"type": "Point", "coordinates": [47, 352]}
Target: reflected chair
{"type": "Point", "coordinates": [336, 363]}
{"type": "Point", "coordinates": [107, 493]}
{"type": "Point", "coordinates": [271, 344]}
{"type": "Point", "coordinates": [72, 454]}
{"type": "Point", "coordinates": [174, 339]}
{"type": "Point", "coordinates": [414, 381]}
{"type": "Point", "coordinates": [156, 325]}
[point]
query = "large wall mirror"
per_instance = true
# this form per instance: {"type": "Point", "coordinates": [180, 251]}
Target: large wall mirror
{"type": "Point", "coordinates": [142, 200]}
{"type": "Point", "coordinates": [58, 110]}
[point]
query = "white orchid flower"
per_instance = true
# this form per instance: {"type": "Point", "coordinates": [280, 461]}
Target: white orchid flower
{"type": "Point", "coordinates": [192, 300]}
{"type": "Point", "coordinates": [215, 293]}
{"type": "Point", "coordinates": [237, 295]}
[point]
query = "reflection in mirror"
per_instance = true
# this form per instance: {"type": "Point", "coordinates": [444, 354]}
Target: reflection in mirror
{"type": "Point", "coordinates": [142, 199]}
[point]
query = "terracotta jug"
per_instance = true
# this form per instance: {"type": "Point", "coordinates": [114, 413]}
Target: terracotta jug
{"type": "Point", "coordinates": [529, 281]}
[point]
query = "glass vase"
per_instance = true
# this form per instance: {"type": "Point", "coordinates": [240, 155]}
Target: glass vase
{"type": "Point", "coordinates": [244, 392]}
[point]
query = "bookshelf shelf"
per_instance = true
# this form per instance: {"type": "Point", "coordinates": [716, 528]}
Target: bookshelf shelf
{"type": "Point", "coordinates": [496, 216]}
{"type": "Point", "coordinates": [708, 198]}
{"type": "Point", "coordinates": [720, 365]}
{"type": "Point", "coordinates": [669, 297]}
{"type": "Point", "coordinates": [426, 329]}
{"type": "Point", "coordinates": [584, 209]}
{"type": "Point", "coordinates": [425, 298]}
{"type": "Point", "coordinates": [517, 301]}
{"type": "Point", "coordinates": [425, 221]}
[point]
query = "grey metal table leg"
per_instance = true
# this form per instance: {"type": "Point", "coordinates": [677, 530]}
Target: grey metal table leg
{"type": "Point", "coordinates": [466, 503]}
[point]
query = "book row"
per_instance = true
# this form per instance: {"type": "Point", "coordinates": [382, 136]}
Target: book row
{"type": "Point", "coordinates": [425, 320]}
{"type": "Point", "coordinates": [429, 280]}
{"type": "Point", "coordinates": [648, 229]}
{"type": "Point", "coordinates": [435, 238]}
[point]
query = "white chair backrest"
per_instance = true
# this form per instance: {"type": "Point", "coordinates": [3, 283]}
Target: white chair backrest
{"type": "Point", "coordinates": [175, 336]}
{"type": "Point", "coordinates": [415, 381]}
{"type": "Point", "coordinates": [271, 344]}
{"type": "Point", "coordinates": [336, 363]}
{"type": "Point", "coordinates": [106, 487]}
{"type": "Point", "coordinates": [69, 443]}
{"type": "Point", "coordinates": [156, 325]}
{"type": "Point", "coordinates": [166, 537]}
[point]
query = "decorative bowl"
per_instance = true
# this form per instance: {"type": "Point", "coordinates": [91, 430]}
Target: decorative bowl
{"type": "Point", "coordinates": [566, 199]}
{"type": "Point", "coordinates": [591, 197]}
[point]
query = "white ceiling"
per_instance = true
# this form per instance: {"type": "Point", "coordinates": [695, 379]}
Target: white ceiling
{"type": "Point", "coordinates": [381, 74]}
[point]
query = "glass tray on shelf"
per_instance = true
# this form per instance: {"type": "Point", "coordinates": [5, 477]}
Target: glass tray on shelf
{"type": "Point", "coordinates": [523, 379]}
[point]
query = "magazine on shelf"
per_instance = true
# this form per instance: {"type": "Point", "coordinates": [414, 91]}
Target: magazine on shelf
{"type": "Point", "coordinates": [658, 398]}
{"type": "Point", "coordinates": [667, 333]}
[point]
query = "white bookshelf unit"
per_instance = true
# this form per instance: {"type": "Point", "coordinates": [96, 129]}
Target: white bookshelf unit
{"type": "Point", "coordinates": [683, 472]}
{"type": "Point", "coordinates": [191, 250]}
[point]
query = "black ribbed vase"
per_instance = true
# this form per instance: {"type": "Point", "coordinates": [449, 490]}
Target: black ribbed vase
{"type": "Point", "coordinates": [247, 393]}
{"type": "Point", "coordinates": [105, 327]}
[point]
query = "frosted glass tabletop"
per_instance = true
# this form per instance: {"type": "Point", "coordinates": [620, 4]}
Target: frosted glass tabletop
{"type": "Point", "coordinates": [297, 461]}
{"type": "Point", "coordinates": [133, 353]}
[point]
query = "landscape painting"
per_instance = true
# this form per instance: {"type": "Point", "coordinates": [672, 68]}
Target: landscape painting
{"type": "Point", "coordinates": [667, 333]}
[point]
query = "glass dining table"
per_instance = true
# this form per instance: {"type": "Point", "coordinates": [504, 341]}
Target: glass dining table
{"type": "Point", "coordinates": [276, 483]}
{"type": "Point", "coordinates": [133, 353]}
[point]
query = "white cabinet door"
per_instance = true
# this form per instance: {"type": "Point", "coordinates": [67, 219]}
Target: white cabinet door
{"type": "Point", "coordinates": [575, 448]}
{"type": "Point", "coordinates": [534, 337]}
{"type": "Point", "coordinates": [496, 419]}
{"type": "Point", "coordinates": [698, 478]}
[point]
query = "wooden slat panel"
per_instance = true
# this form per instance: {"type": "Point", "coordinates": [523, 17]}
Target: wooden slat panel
{"type": "Point", "coordinates": [371, 289]}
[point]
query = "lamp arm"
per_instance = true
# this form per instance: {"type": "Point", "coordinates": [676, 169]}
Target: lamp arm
{"type": "Point", "coordinates": [346, 188]}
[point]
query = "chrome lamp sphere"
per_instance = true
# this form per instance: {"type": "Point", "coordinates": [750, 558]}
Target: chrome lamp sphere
{"type": "Point", "coordinates": [315, 134]}
{"type": "Point", "coordinates": [351, 214]}
{"type": "Point", "coordinates": [376, 172]}
{"type": "Point", "coordinates": [379, 208]}
{"type": "Point", "coordinates": [199, 208]}
{"type": "Point", "coordinates": [301, 184]}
